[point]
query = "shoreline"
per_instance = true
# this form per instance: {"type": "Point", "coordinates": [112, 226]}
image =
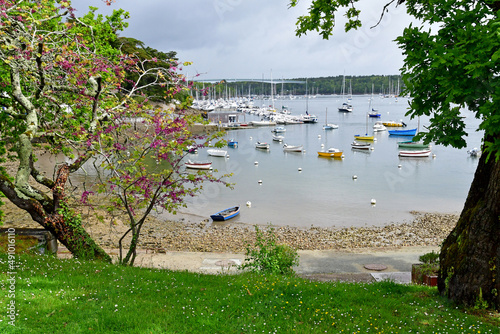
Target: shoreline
{"type": "Point", "coordinates": [161, 236]}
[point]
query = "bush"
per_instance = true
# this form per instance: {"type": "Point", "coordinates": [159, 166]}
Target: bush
{"type": "Point", "coordinates": [266, 255]}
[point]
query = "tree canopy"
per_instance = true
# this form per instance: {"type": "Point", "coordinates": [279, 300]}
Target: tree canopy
{"type": "Point", "coordinates": [452, 62]}
{"type": "Point", "coordinates": [69, 89]}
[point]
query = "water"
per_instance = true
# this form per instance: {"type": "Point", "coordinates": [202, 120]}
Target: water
{"type": "Point", "coordinates": [324, 193]}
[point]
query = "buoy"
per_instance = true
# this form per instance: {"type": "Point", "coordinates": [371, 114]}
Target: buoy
{"type": "Point", "coordinates": [300, 169]}
{"type": "Point", "coordinates": [322, 145]}
{"type": "Point", "coordinates": [319, 136]}
{"type": "Point", "coordinates": [260, 181]}
{"type": "Point", "coordinates": [343, 156]}
{"type": "Point", "coordinates": [256, 163]}
{"type": "Point", "coordinates": [354, 177]}
{"type": "Point", "coordinates": [372, 148]}
{"type": "Point", "coordinates": [374, 139]}
{"type": "Point", "coordinates": [250, 138]}
{"type": "Point", "coordinates": [373, 201]}
{"type": "Point", "coordinates": [399, 166]}
{"type": "Point", "coordinates": [227, 156]}
{"type": "Point", "coordinates": [249, 204]}
{"type": "Point", "coordinates": [433, 155]}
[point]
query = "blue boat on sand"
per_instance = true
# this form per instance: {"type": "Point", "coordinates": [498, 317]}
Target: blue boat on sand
{"type": "Point", "coordinates": [226, 214]}
{"type": "Point", "coordinates": [409, 132]}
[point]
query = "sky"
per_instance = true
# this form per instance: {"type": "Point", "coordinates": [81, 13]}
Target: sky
{"type": "Point", "coordinates": [255, 39]}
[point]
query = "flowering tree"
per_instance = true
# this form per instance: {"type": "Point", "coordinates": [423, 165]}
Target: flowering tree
{"type": "Point", "coordinates": [62, 92]}
{"type": "Point", "coordinates": [455, 65]}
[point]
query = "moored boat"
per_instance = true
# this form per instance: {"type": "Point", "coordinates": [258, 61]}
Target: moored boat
{"type": "Point", "coordinates": [232, 143]}
{"type": "Point", "coordinates": [278, 138]}
{"type": "Point", "coordinates": [394, 124]}
{"type": "Point", "coordinates": [291, 148]}
{"type": "Point", "coordinates": [412, 144]}
{"type": "Point", "coordinates": [360, 146]}
{"type": "Point", "coordinates": [226, 214]}
{"type": "Point", "coordinates": [415, 154]}
{"type": "Point", "coordinates": [378, 127]}
{"type": "Point", "coordinates": [331, 153]}
{"type": "Point", "coordinates": [409, 132]}
{"type": "Point", "coordinates": [262, 145]}
{"type": "Point", "coordinates": [217, 153]}
{"type": "Point", "coordinates": [198, 164]}
{"type": "Point", "coordinates": [279, 129]}
{"type": "Point", "coordinates": [365, 137]}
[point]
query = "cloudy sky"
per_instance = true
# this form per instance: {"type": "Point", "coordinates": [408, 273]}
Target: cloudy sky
{"type": "Point", "coordinates": [252, 39]}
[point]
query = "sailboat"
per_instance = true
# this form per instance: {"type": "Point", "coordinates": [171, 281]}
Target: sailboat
{"type": "Point", "coordinates": [365, 137]}
{"type": "Point", "coordinates": [371, 111]}
{"type": "Point", "coordinates": [346, 107]}
{"type": "Point", "coordinates": [329, 126]}
{"type": "Point", "coordinates": [307, 118]}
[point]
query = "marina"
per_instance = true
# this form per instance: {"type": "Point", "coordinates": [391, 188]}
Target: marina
{"type": "Point", "coordinates": [306, 189]}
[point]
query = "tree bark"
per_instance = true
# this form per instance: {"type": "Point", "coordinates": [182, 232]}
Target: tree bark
{"type": "Point", "coordinates": [470, 255]}
{"type": "Point", "coordinates": [57, 218]}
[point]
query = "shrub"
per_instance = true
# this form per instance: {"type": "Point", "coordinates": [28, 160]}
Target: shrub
{"type": "Point", "coordinates": [266, 255]}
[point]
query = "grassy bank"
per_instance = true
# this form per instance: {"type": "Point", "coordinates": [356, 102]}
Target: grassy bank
{"type": "Point", "coordinates": [71, 296]}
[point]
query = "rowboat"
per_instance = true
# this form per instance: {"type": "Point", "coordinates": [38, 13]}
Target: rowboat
{"type": "Point", "coordinates": [415, 154]}
{"type": "Point", "coordinates": [217, 153]}
{"type": "Point", "coordinates": [360, 146]}
{"type": "Point", "coordinates": [412, 144]}
{"type": "Point", "coordinates": [365, 137]}
{"type": "Point", "coordinates": [232, 143]}
{"type": "Point", "coordinates": [290, 148]}
{"type": "Point", "coordinates": [331, 153]}
{"type": "Point", "coordinates": [226, 214]}
{"type": "Point", "coordinates": [394, 124]}
{"type": "Point", "coordinates": [409, 132]}
{"type": "Point", "coordinates": [262, 146]}
{"type": "Point", "coordinates": [278, 138]}
{"type": "Point", "coordinates": [198, 164]}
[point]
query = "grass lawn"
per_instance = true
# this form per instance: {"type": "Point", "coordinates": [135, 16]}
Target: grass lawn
{"type": "Point", "coordinates": [72, 296]}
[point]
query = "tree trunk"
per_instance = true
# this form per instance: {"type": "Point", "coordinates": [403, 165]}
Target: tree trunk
{"type": "Point", "coordinates": [470, 255]}
{"type": "Point", "coordinates": [57, 218]}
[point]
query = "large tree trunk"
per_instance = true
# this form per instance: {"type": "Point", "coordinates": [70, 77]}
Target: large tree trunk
{"type": "Point", "coordinates": [470, 255]}
{"type": "Point", "coordinates": [57, 218]}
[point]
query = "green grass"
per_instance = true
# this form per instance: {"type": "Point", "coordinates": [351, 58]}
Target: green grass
{"type": "Point", "coordinates": [72, 296]}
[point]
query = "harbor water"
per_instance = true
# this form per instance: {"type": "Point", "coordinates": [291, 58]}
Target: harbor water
{"type": "Point", "coordinates": [303, 189]}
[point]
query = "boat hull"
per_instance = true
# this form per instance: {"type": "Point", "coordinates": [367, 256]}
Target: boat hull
{"type": "Point", "coordinates": [226, 214]}
{"type": "Point", "coordinates": [330, 154]}
{"type": "Point", "coordinates": [415, 154]}
{"type": "Point", "coordinates": [366, 138]}
{"type": "Point", "coordinates": [217, 153]}
{"type": "Point", "coordinates": [198, 165]}
{"type": "Point", "coordinates": [410, 132]}
{"type": "Point", "coordinates": [412, 144]}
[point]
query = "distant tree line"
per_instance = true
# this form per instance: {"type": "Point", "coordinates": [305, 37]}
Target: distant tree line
{"type": "Point", "coordinates": [382, 84]}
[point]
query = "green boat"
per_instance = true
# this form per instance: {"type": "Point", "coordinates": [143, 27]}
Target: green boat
{"type": "Point", "coordinates": [412, 144]}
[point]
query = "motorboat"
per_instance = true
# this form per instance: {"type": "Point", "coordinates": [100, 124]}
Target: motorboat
{"type": "Point", "coordinates": [331, 153]}
{"type": "Point", "coordinates": [278, 138]}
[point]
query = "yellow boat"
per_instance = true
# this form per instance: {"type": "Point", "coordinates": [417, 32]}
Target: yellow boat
{"type": "Point", "coordinates": [331, 153]}
{"type": "Point", "coordinates": [358, 137]}
{"type": "Point", "coordinates": [394, 124]}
